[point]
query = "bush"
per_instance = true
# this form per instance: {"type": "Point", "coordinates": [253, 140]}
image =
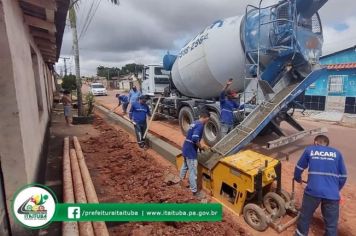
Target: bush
{"type": "Point", "coordinates": [89, 98]}
{"type": "Point", "coordinates": [69, 82]}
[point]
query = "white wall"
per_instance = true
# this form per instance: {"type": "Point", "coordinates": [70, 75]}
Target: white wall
{"type": "Point", "coordinates": [22, 126]}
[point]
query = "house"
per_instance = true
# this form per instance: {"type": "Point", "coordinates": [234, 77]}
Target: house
{"type": "Point", "coordinates": [31, 33]}
{"type": "Point", "coordinates": [336, 91]}
{"type": "Point", "coordinates": [128, 81]}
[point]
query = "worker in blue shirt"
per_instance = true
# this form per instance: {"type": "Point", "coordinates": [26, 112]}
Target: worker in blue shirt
{"type": "Point", "coordinates": [190, 151]}
{"type": "Point", "coordinates": [326, 177]}
{"type": "Point", "coordinates": [134, 95]}
{"type": "Point", "coordinates": [227, 106]}
{"type": "Point", "coordinates": [124, 101]}
{"type": "Point", "coordinates": [138, 115]}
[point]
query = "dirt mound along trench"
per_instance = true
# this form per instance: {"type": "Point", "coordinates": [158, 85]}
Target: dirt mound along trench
{"type": "Point", "coordinates": [122, 172]}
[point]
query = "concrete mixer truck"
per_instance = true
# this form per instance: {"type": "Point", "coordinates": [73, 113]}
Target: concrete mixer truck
{"type": "Point", "coordinates": [263, 51]}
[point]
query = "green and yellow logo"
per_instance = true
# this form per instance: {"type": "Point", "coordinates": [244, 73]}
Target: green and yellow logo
{"type": "Point", "coordinates": [34, 206]}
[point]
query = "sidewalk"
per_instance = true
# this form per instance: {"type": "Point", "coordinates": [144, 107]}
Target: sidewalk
{"type": "Point", "coordinates": [54, 172]}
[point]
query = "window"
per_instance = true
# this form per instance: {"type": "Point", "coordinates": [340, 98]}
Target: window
{"type": "Point", "coordinates": [36, 75]}
{"type": "Point", "coordinates": [161, 71]}
{"type": "Point", "coordinates": [336, 83]}
{"type": "Point", "coordinates": [158, 70]}
{"type": "Point", "coordinates": [161, 80]}
{"type": "Point", "coordinates": [97, 86]}
{"type": "Point", "coordinates": [145, 73]}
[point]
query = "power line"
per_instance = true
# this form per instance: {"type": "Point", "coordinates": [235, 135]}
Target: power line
{"type": "Point", "coordinates": [91, 12]}
{"type": "Point", "coordinates": [87, 16]}
{"type": "Point", "coordinates": [65, 64]}
{"type": "Point", "coordinates": [93, 16]}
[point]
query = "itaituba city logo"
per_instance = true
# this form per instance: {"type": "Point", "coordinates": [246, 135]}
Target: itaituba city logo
{"type": "Point", "coordinates": [34, 206]}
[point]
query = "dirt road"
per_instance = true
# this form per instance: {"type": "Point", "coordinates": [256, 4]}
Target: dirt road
{"type": "Point", "coordinates": [342, 138]}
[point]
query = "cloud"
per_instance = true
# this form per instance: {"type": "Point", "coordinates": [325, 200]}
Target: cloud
{"type": "Point", "coordinates": [336, 39]}
{"type": "Point", "coordinates": [143, 30]}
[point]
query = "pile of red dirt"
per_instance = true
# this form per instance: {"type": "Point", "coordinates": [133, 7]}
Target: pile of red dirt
{"type": "Point", "coordinates": [122, 172]}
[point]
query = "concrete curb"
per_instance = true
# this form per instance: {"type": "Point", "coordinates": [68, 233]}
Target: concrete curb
{"type": "Point", "coordinates": [163, 148]}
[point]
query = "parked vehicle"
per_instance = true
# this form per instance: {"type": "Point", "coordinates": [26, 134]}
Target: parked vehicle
{"type": "Point", "coordinates": [98, 89]}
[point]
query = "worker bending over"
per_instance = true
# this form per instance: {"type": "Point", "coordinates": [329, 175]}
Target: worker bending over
{"type": "Point", "coordinates": [227, 106]}
{"type": "Point", "coordinates": [138, 115]}
{"type": "Point", "coordinates": [190, 151]}
{"type": "Point", "coordinates": [124, 101]}
{"type": "Point", "coordinates": [326, 177]}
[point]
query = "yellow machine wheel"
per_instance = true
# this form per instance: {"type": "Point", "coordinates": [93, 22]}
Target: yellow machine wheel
{"type": "Point", "coordinates": [274, 204]}
{"type": "Point", "coordinates": [255, 217]}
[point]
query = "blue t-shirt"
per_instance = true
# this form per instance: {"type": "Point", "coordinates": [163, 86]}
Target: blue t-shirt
{"type": "Point", "coordinates": [194, 135]}
{"type": "Point", "coordinates": [139, 112]}
{"type": "Point", "coordinates": [134, 96]}
{"type": "Point", "coordinates": [227, 107]}
{"type": "Point", "coordinates": [123, 98]}
{"type": "Point", "coordinates": [326, 171]}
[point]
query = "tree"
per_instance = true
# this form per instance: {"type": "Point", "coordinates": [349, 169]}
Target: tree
{"type": "Point", "coordinates": [73, 26]}
{"type": "Point", "coordinates": [107, 71]}
{"type": "Point", "coordinates": [131, 68]}
{"type": "Point", "coordinates": [69, 82]}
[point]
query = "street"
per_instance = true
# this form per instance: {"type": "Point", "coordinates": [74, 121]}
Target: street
{"type": "Point", "coordinates": [340, 137]}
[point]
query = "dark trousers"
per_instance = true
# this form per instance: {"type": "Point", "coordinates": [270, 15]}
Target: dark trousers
{"type": "Point", "coordinates": [329, 210]}
{"type": "Point", "coordinates": [124, 107]}
{"type": "Point", "coordinates": [140, 130]}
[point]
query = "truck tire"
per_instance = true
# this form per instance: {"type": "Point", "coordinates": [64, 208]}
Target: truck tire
{"type": "Point", "coordinates": [185, 118]}
{"type": "Point", "coordinates": [212, 133]}
{"type": "Point", "coordinates": [255, 217]}
{"type": "Point", "coordinates": [274, 204]}
{"type": "Point", "coordinates": [152, 107]}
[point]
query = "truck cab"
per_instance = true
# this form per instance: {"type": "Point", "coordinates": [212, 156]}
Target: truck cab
{"type": "Point", "coordinates": [154, 80]}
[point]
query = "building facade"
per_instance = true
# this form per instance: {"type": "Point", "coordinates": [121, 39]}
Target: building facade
{"type": "Point", "coordinates": [31, 34]}
{"type": "Point", "coordinates": [337, 90]}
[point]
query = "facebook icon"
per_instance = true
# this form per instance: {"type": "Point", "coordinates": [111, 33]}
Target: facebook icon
{"type": "Point", "coordinates": [73, 212]}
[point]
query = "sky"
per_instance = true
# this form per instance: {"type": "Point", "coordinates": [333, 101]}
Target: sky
{"type": "Point", "coordinates": [142, 31]}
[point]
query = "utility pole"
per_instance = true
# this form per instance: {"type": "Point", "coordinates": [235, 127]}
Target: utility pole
{"type": "Point", "coordinates": [65, 64]}
{"type": "Point", "coordinates": [107, 82]}
{"type": "Point", "coordinates": [73, 25]}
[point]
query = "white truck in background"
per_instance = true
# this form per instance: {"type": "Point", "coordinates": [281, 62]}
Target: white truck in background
{"type": "Point", "coordinates": [154, 80]}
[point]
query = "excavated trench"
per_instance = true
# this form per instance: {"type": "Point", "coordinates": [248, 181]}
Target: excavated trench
{"type": "Point", "coordinates": [122, 172]}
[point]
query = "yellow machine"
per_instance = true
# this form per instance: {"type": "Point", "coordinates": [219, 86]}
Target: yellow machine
{"type": "Point", "coordinates": [244, 182]}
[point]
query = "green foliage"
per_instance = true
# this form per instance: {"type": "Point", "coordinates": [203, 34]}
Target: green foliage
{"type": "Point", "coordinates": [105, 71]}
{"type": "Point", "coordinates": [90, 99]}
{"type": "Point", "coordinates": [69, 82]}
{"type": "Point", "coordinates": [131, 68]}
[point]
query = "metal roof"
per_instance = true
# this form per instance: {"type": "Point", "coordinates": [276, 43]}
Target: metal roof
{"type": "Point", "coordinates": [341, 66]}
{"type": "Point", "coordinates": [337, 52]}
{"type": "Point", "coordinates": [46, 21]}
